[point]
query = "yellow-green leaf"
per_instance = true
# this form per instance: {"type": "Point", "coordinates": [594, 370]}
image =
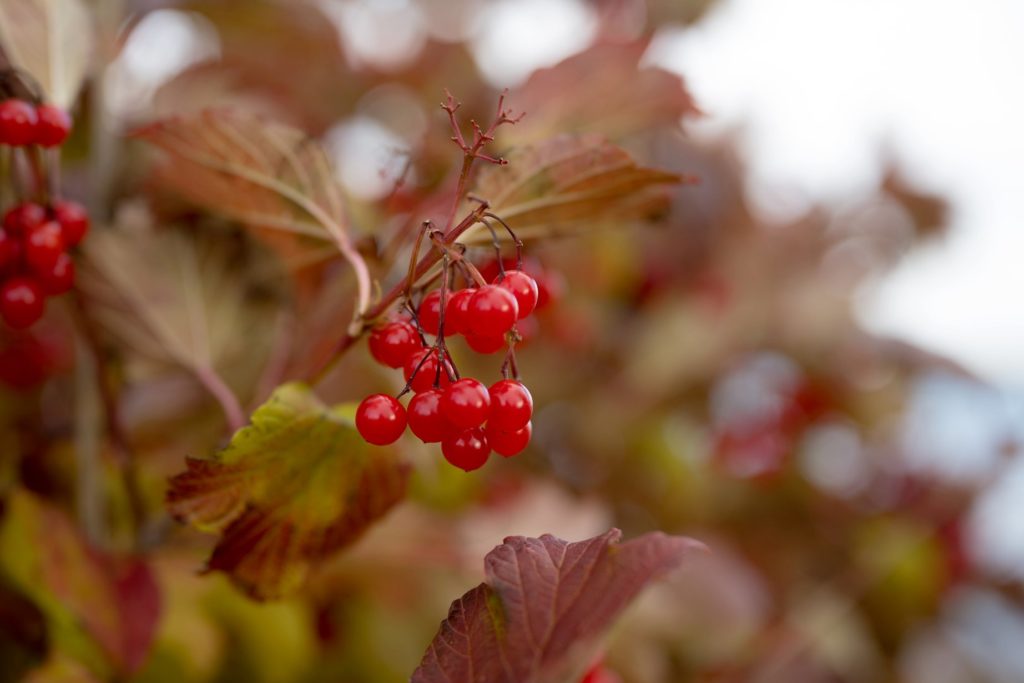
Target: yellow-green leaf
{"type": "Point", "coordinates": [291, 489]}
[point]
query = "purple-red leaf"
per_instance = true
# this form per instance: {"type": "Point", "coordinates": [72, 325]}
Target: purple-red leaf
{"type": "Point", "coordinates": [543, 605]}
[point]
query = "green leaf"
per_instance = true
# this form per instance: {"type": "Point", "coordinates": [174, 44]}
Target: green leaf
{"type": "Point", "coordinates": [291, 489]}
{"type": "Point", "coordinates": [101, 610]}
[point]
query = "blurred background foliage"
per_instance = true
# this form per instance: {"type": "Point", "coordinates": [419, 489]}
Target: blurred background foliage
{"type": "Point", "coordinates": [702, 373]}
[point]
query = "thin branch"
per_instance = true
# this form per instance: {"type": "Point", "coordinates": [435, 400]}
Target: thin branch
{"type": "Point", "coordinates": [123, 453]}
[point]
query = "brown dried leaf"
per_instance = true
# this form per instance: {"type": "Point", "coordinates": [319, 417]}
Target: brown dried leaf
{"type": "Point", "coordinates": [290, 490]}
{"type": "Point", "coordinates": [543, 605]}
{"type": "Point", "coordinates": [173, 297]}
{"type": "Point", "coordinates": [50, 39]}
{"type": "Point", "coordinates": [262, 173]}
{"type": "Point", "coordinates": [568, 181]}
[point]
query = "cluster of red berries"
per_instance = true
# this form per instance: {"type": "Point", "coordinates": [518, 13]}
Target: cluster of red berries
{"type": "Point", "coordinates": [467, 418]}
{"type": "Point", "coordinates": [22, 123]}
{"type": "Point", "coordinates": [34, 259]}
{"type": "Point", "coordinates": [35, 239]}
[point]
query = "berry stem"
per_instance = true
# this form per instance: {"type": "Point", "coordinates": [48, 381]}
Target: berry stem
{"type": "Point", "coordinates": [425, 263]}
{"type": "Point", "coordinates": [456, 256]}
{"type": "Point", "coordinates": [472, 151]}
{"type": "Point", "coordinates": [515, 240]}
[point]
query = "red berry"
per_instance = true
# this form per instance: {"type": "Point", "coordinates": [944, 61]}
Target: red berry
{"type": "Point", "coordinates": [509, 443]}
{"type": "Point", "coordinates": [492, 311]}
{"type": "Point", "coordinates": [380, 419]}
{"type": "Point", "coordinates": [425, 418]}
{"type": "Point", "coordinates": [511, 405]}
{"type": "Point", "coordinates": [466, 450]}
{"type": "Point", "coordinates": [59, 278]}
{"type": "Point", "coordinates": [23, 217]}
{"type": "Point", "coordinates": [52, 125]}
{"type": "Point", "coordinates": [10, 252]}
{"type": "Point", "coordinates": [456, 316]}
{"type": "Point", "coordinates": [73, 219]}
{"type": "Point", "coordinates": [430, 312]}
{"type": "Point", "coordinates": [424, 378]}
{"type": "Point", "coordinates": [550, 288]}
{"type": "Point", "coordinates": [393, 343]}
{"type": "Point", "coordinates": [21, 302]}
{"type": "Point", "coordinates": [491, 269]}
{"type": "Point", "coordinates": [43, 245]}
{"type": "Point", "coordinates": [25, 361]}
{"type": "Point", "coordinates": [17, 123]}
{"type": "Point", "coordinates": [485, 344]}
{"type": "Point", "coordinates": [466, 403]}
{"type": "Point", "coordinates": [523, 288]}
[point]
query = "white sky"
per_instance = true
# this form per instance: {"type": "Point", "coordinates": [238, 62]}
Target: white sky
{"type": "Point", "coordinates": [825, 88]}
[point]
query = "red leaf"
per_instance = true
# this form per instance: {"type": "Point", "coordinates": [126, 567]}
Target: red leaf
{"type": "Point", "coordinates": [543, 604]}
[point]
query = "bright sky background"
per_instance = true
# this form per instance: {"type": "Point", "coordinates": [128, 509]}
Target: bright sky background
{"type": "Point", "coordinates": [825, 88]}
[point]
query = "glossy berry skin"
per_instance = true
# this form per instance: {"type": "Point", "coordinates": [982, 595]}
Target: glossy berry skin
{"type": "Point", "coordinates": [10, 252]}
{"type": "Point", "coordinates": [393, 343]}
{"type": "Point", "coordinates": [380, 419]}
{"type": "Point", "coordinates": [73, 219]}
{"type": "Point", "coordinates": [485, 344]}
{"type": "Point", "coordinates": [52, 125]}
{"type": "Point", "coordinates": [523, 288]}
{"type": "Point", "coordinates": [17, 123]}
{"type": "Point", "coordinates": [466, 403]}
{"type": "Point", "coordinates": [21, 218]}
{"type": "Point", "coordinates": [59, 278]}
{"type": "Point", "coordinates": [43, 245]}
{"type": "Point", "coordinates": [468, 450]}
{"type": "Point", "coordinates": [511, 405]}
{"type": "Point", "coordinates": [424, 378]}
{"type": "Point", "coordinates": [425, 418]}
{"type": "Point", "coordinates": [493, 311]}
{"type": "Point", "coordinates": [21, 302]}
{"type": "Point", "coordinates": [456, 316]}
{"type": "Point", "coordinates": [509, 443]}
{"type": "Point", "coordinates": [430, 312]}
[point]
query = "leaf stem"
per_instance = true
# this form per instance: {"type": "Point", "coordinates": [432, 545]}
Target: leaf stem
{"type": "Point", "coordinates": [123, 453]}
{"type": "Point", "coordinates": [219, 389]}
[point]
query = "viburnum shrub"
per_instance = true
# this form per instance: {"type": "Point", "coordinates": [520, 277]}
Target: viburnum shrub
{"type": "Point", "coordinates": [459, 412]}
{"type": "Point", "coordinates": [39, 230]}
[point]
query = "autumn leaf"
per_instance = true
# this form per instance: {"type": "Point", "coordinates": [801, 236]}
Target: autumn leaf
{"type": "Point", "coordinates": [543, 605]}
{"type": "Point", "coordinates": [175, 298]}
{"type": "Point", "coordinates": [51, 40]}
{"type": "Point", "coordinates": [601, 90]}
{"type": "Point", "coordinates": [265, 174]}
{"type": "Point", "coordinates": [291, 489]}
{"type": "Point", "coordinates": [569, 182]}
{"type": "Point", "coordinates": [100, 608]}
